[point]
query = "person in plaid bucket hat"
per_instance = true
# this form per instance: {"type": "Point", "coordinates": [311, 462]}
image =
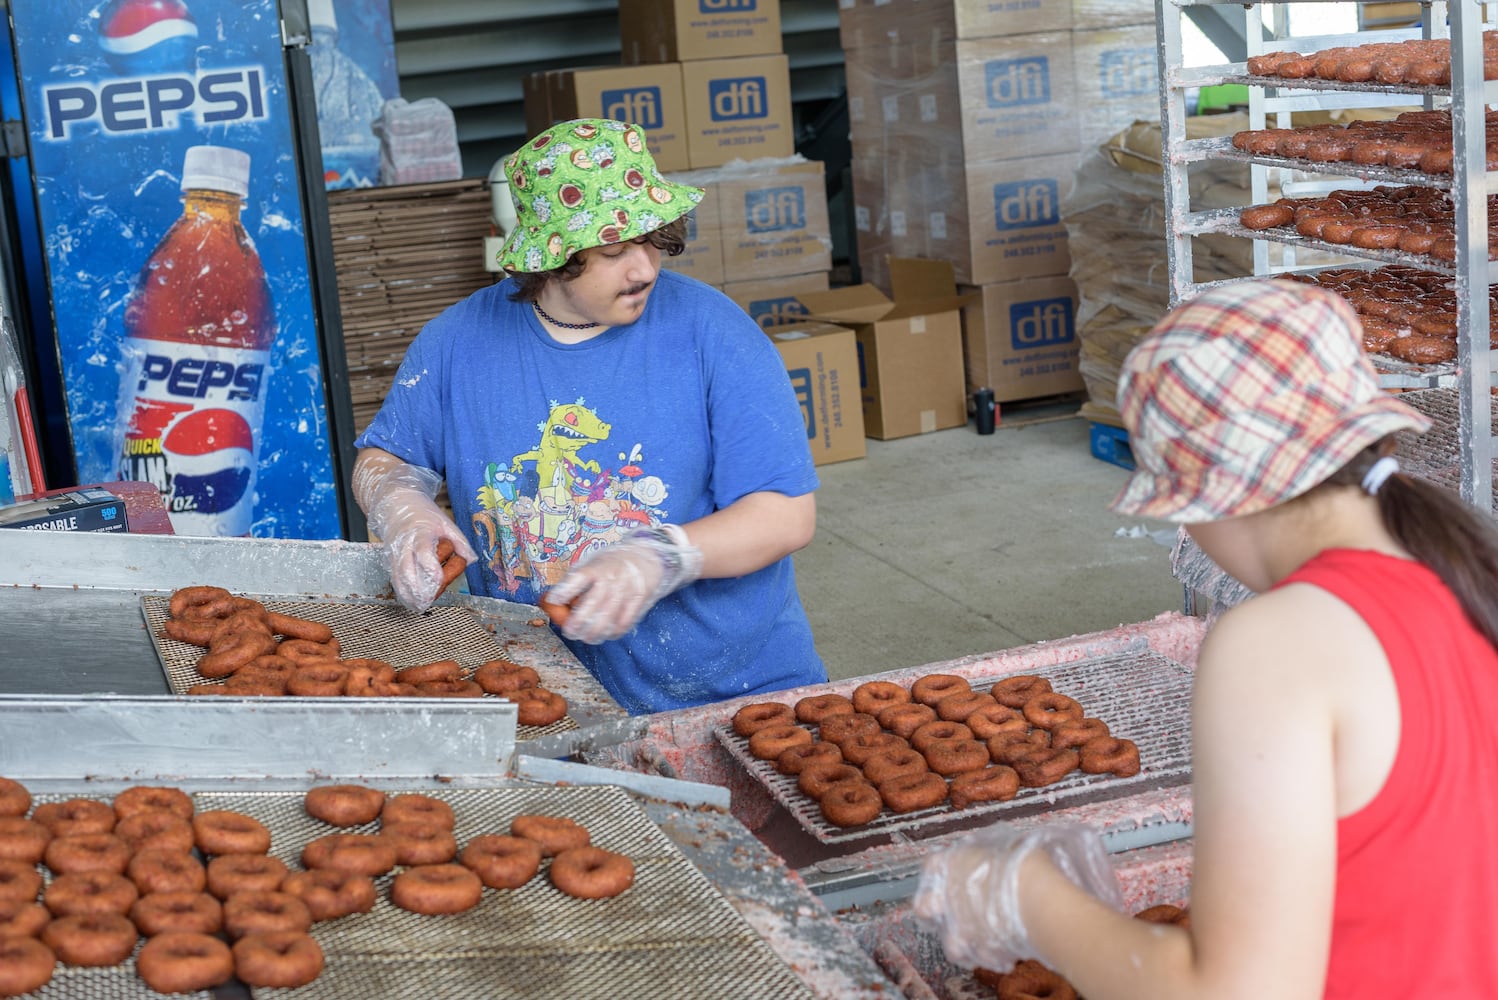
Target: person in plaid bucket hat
{"type": "Point", "coordinates": [1344, 811]}
{"type": "Point", "coordinates": [618, 438]}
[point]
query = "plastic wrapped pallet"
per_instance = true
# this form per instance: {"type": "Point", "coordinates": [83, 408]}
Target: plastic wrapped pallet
{"type": "Point", "coordinates": [418, 142]}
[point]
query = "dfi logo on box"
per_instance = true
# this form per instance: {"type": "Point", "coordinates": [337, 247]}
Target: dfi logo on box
{"type": "Point", "coordinates": [1026, 204]}
{"type": "Point", "coordinates": [726, 6]}
{"type": "Point", "coordinates": [639, 105]}
{"type": "Point", "coordinates": [737, 98]}
{"type": "Point", "coordinates": [1013, 82]}
{"type": "Point", "coordinates": [801, 383]}
{"type": "Point", "coordinates": [1041, 323]}
{"type": "Point", "coordinates": [773, 312]}
{"type": "Point", "coordinates": [1129, 73]}
{"type": "Point", "coordinates": [775, 209]}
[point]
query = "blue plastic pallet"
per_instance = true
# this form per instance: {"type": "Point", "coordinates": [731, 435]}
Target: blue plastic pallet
{"type": "Point", "coordinates": [1111, 444]}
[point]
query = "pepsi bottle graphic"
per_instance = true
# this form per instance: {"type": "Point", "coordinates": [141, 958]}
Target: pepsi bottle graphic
{"type": "Point", "coordinates": [198, 332]}
{"type": "Point", "coordinates": [348, 104]}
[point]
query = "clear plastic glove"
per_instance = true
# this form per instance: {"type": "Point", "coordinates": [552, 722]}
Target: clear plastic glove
{"type": "Point", "coordinates": [610, 589]}
{"type": "Point", "coordinates": [969, 894]}
{"type": "Point", "coordinates": [399, 501]}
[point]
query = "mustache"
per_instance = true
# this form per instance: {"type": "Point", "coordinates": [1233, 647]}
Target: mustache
{"type": "Point", "coordinates": [636, 289]}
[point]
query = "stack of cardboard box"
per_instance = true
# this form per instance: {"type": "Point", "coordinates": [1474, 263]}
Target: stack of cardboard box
{"type": "Point", "coordinates": [968, 118]}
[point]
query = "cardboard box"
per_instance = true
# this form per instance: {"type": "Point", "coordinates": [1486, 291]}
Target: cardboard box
{"type": "Point", "coordinates": [703, 257]}
{"type": "Point", "coordinates": [771, 217]}
{"type": "Point", "coordinates": [776, 302]}
{"type": "Point", "coordinates": [869, 23]}
{"type": "Point", "coordinates": [822, 362]}
{"type": "Point", "coordinates": [648, 96]}
{"type": "Point", "coordinates": [535, 91]}
{"type": "Point", "coordinates": [1020, 338]}
{"type": "Point", "coordinates": [87, 509]}
{"type": "Point", "coordinates": [661, 31]}
{"type": "Point", "coordinates": [738, 109]}
{"type": "Point", "coordinates": [910, 347]}
{"type": "Point", "coordinates": [1118, 81]}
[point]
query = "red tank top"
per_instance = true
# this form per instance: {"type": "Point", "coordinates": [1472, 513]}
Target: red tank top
{"type": "Point", "coordinates": [1417, 868]}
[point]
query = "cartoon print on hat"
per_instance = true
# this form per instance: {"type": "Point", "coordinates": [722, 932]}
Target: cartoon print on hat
{"type": "Point", "coordinates": [582, 184]}
{"type": "Point", "coordinates": [1247, 396]}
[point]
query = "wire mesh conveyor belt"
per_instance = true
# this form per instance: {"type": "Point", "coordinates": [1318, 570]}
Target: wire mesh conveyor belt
{"type": "Point", "coordinates": [670, 934]}
{"type": "Point", "coordinates": [1434, 455]}
{"type": "Point", "coordinates": [1141, 695]}
{"type": "Point", "coordinates": [372, 630]}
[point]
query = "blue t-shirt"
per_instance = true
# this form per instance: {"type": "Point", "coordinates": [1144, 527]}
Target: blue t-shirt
{"type": "Point", "coordinates": [550, 449]}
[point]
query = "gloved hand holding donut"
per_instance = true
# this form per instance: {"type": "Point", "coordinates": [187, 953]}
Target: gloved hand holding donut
{"type": "Point", "coordinates": [969, 894]}
{"type": "Point", "coordinates": [403, 513]}
{"type": "Point", "coordinates": [610, 589]}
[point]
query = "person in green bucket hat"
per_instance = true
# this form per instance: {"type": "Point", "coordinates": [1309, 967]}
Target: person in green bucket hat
{"type": "Point", "coordinates": [619, 439]}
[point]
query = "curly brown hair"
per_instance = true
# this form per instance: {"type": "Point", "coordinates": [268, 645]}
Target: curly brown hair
{"type": "Point", "coordinates": [670, 239]}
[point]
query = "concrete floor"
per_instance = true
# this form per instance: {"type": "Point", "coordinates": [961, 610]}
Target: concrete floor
{"type": "Point", "coordinates": [945, 544]}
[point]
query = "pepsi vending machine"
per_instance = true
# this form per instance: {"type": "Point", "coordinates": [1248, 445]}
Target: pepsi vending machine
{"type": "Point", "coordinates": [170, 144]}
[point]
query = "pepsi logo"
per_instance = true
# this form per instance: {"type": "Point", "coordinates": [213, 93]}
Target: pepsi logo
{"type": "Point", "coordinates": [142, 37]}
{"type": "Point", "coordinates": [211, 456]}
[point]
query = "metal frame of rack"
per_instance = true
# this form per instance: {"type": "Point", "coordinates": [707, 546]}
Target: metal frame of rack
{"type": "Point", "coordinates": [1468, 95]}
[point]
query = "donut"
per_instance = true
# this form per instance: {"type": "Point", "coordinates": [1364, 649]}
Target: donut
{"type": "Point", "coordinates": [555, 610]}
{"type": "Point", "coordinates": [184, 962]}
{"type": "Point", "coordinates": [555, 834]}
{"type": "Point", "coordinates": [92, 939]}
{"type": "Point", "coordinates": [420, 843]}
{"type": "Point", "coordinates": [815, 708]}
{"type": "Point", "coordinates": [837, 728]}
{"type": "Point", "coordinates": [149, 798]}
{"type": "Point", "coordinates": [89, 852]}
{"type": "Point", "coordinates": [1031, 979]}
{"type": "Point", "coordinates": [164, 912]}
{"type": "Point", "coordinates": [248, 683]}
{"type": "Point", "coordinates": [1013, 692]}
{"type": "Point", "coordinates": [797, 758]}
{"type": "Point", "coordinates": [437, 670]}
{"type": "Point", "coordinates": [858, 749]}
{"type": "Point", "coordinates": [949, 757]}
{"type": "Point", "coordinates": [1428, 73]}
{"type": "Point", "coordinates": [306, 654]}
{"type": "Point", "coordinates": [957, 707]}
{"type": "Point", "coordinates": [992, 719]}
{"type": "Point", "coordinates": [501, 677]}
{"type": "Point", "coordinates": [456, 689]}
{"type": "Point", "coordinates": [1377, 237]}
{"type": "Point", "coordinates": [224, 831]}
{"type": "Point", "coordinates": [999, 783]}
{"type": "Point", "coordinates": [193, 631]}
{"type": "Point", "coordinates": [26, 965]}
{"type": "Point", "coordinates": [145, 831]}
{"type": "Point", "coordinates": [1266, 216]}
{"type": "Point", "coordinates": [1423, 350]}
{"type": "Point", "coordinates": [770, 742]}
{"type": "Point", "coordinates": [592, 872]}
{"type": "Point", "coordinates": [22, 839]}
{"type": "Point", "coordinates": [851, 803]}
{"type": "Point", "coordinates": [1110, 755]}
{"type": "Point", "coordinates": [19, 881]}
{"type": "Point", "coordinates": [1044, 766]}
{"type": "Point", "coordinates": [538, 706]}
{"type": "Point", "coordinates": [752, 718]}
{"type": "Point", "coordinates": [815, 779]}
{"type": "Point", "coordinates": [1437, 161]}
{"type": "Point", "coordinates": [327, 679]}
{"type": "Point", "coordinates": [89, 892]}
{"type": "Point", "coordinates": [354, 853]}
{"type": "Point", "coordinates": [75, 816]}
{"type": "Point", "coordinates": [890, 763]}
{"type": "Point", "coordinates": [232, 873]}
{"type": "Point", "coordinates": [940, 730]}
{"type": "Point", "coordinates": [1339, 231]}
{"type": "Point", "coordinates": [1006, 747]}
{"type": "Point", "coordinates": [872, 697]}
{"type": "Point", "coordinates": [20, 918]}
{"type": "Point", "coordinates": [934, 687]}
{"type": "Point", "coordinates": [292, 627]}
{"type": "Point", "coordinates": [902, 720]}
{"type": "Point", "coordinates": [1049, 710]}
{"type": "Point", "coordinates": [166, 871]}
{"type": "Point", "coordinates": [502, 862]}
{"type": "Point", "coordinates": [264, 912]}
{"type": "Point", "coordinates": [330, 894]}
{"type": "Point", "coordinates": [436, 889]}
{"type": "Point", "coordinates": [414, 808]}
{"type": "Point", "coordinates": [1356, 71]}
{"type": "Point", "coordinates": [278, 960]}
{"type": "Point", "coordinates": [200, 602]}
{"type": "Point", "coordinates": [227, 652]}
{"type": "Point", "coordinates": [1162, 913]}
{"type": "Point", "coordinates": [908, 792]}
{"type": "Point", "coordinates": [451, 563]}
{"type": "Point", "coordinates": [344, 805]}
{"type": "Point", "coordinates": [1072, 735]}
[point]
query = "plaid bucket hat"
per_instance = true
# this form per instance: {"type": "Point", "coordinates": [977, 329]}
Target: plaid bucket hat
{"type": "Point", "coordinates": [1247, 396]}
{"type": "Point", "coordinates": [582, 184]}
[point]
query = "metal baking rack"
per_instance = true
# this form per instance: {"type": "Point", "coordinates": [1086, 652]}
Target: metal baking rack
{"type": "Point", "coordinates": [1140, 695]}
{"type": "Point", "coordinates": [1222, 148]}
{"type": "Point", "coordinates": [368, 629]}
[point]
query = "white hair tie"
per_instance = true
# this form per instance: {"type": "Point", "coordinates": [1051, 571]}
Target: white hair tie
{"type": "Point", "coordinates": [1379, 474]}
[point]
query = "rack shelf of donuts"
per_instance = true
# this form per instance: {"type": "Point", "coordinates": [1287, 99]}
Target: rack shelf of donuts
{"type": "Point", "coordinates": [1398, 202]}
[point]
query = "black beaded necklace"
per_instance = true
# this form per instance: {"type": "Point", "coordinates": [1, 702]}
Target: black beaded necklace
{"type": "Point", "coordinates": [556, 322]}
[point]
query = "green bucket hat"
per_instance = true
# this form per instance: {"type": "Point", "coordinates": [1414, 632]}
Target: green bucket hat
{"type": "Point", "coordinates": [582, 184]}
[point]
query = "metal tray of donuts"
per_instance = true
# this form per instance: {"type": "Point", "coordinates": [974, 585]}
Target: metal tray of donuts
{"type": "Point", "coordinates": [373, 629]}
{"type": "Point", "coordinates": [1141, 695]}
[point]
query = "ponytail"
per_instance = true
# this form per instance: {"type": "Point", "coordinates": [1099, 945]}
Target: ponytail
{"type": "Point", "coordinates": [1456, 541]}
